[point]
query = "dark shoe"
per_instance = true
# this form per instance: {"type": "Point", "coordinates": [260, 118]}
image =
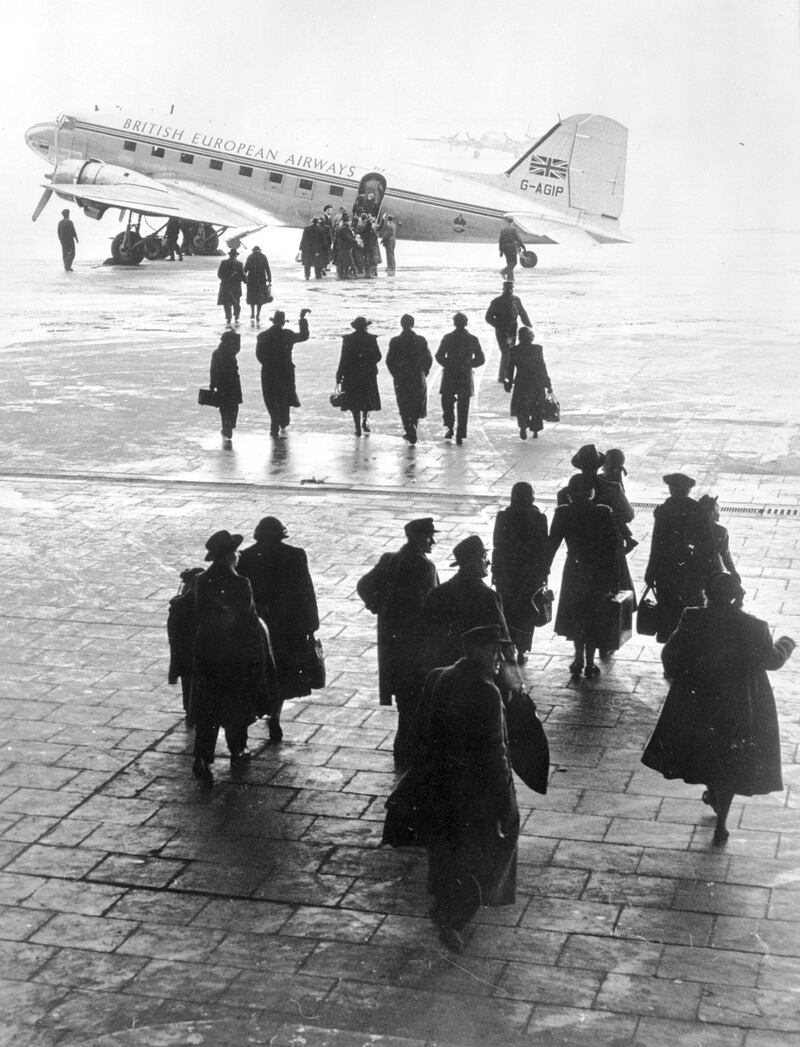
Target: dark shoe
{"type": "Point", "coordinates": [241, 756]}
{"type": "Point", "coordinates": [720, 836]}
{"type": "Point", "coordinates": [412, 436]}
{"type": "Point", "coordinates": [576, 668]}
{"type": "Point", "coordinates": [591, 671]}
{"type": "Point", "coordinates": [275, 733]}
{"type": "Point", "coordinates": [365, 426]}
{"type": "Point", "coordinates": [448, 434]}
{"type": "Point", "coordinates": [452, 939]}
{"type": "Point", "coordinates": [459, 440]}
{"type": "Point", "coordinates": [201, 770]}
{"type": "Point", "coordinates": [357, 431]}
{"type": "Point", "coordinates": [536, 436]}
{"type": "Point", "coordinates": [523, 435]}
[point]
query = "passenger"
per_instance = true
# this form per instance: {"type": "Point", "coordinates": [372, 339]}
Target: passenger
{"type": "Point", "coordinates": [285, 599]}
{"type": "Point", "coordinates": [224, 380]}
{"type": "Point", "coordinates": [458, 353]}
{"type": "Point", "coordinates": [278, 384]}
{"type": "Point", "coordinates": [233, 682]}
{"type": "Point", "coordinates": [527, 375]}
{"type": "Point", "coordinates": [67, 237]}
{"type": "Point", "coordinates": [408, 361]}
{"type": "Point", "coordinates": [470, 806]}
{"type": "Point", "coordinates": [313, 249]}
{"type": "Point", "coordinates": [613, 470]}
{"type": "Point", "coordinates": [520, 564]}
{"type": "Point", "coordinates": [259, 282]}
{"type": "Point", "coordinates": [588, 576]}
{"type": "Point", "coordinates": [510, 245]}
{"type": "Point", "coordinates": [502, 315]}
{"type": "Point", "coordinates": [681, 553]}
{"type": "Point", "coordinates": [719, 726]}
{"type": "Point", "coordinates": [231, 277]}
{"type": "Point", "coordinates": [171, 234]}
{"type": "Point", "coordinates": [326, 224]}
{"type": "Point", "coordinates": [372, 251]}
{"type": "Point", "coordinates": [357, 374]}
{"type": "Point", "coordinates": [180, 633]}
{"type": "Point", "coordinates": [389, 241]}
{"type": "Point", "coordinates": [343, 243]}
{"type": "Point", "coordinates": [395, 590]}
{"type": "Point", "coordinates": [721, 557]}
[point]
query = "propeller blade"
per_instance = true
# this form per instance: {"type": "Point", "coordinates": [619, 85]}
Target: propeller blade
{"type": "Point", "coordinates": [42, 203]}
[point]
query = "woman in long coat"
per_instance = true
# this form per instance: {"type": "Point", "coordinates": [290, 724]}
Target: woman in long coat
{"type": "Point", "coordinates": [285, 599]}
{"type": "Point", "coordinates": [233, 673]}
{"type": "Point", "coordinates": [527, 376]}
{"type": "Point", "coordinates": [231, 277]}
{"type": "Point", "coordinates": [224, 380]}
{"type": "Point", "coordinates": [520, 563]}
{"type": "Point", "coordinates": [408, 361]}
{"type": "Point", "coordinates": [589, 570]}
{"type": "Point", "coordinates": [259, 282]}
{"type": "Point", "coordinates": [357, 374]}
{"type": "Point", "coordinates": [719, 726]}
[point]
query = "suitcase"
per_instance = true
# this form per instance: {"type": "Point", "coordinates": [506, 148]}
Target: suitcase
{"type": "Point", "coordinates": [617, 620]}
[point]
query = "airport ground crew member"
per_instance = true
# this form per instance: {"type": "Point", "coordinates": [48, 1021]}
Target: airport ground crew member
{"type": "Point", "coordinates": [68, 238]}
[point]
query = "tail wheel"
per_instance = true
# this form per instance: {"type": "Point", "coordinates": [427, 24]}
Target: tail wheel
{"type": "Point", "coordinates": [127, 248]}
{"type": "Point", "coordinates": [153, 248]}
{"type": "Point", "coordinates": [528, 259]}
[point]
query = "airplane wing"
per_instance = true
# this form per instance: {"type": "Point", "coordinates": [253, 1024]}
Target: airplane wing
{"type": "Point", "coordinates": [549, 229]}
{"type": "Point", "coordinates": [187, 200]}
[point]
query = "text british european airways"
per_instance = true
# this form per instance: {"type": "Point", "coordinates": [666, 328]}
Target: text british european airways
{"type": "Point", "coordinates": [240, 149]}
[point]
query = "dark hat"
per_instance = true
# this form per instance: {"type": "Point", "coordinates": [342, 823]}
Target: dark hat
{"type": "Point", "coordinates": [221, 543]}
{"type": "Point", "coordinates": [270, 529]}
{"type": "Point", "coordinates": [588, 458]}
{"type": "Point", "coordinates": [360, 323]}
{"type": "Point", "coordinates": [525, 334]}
{"type": "Point", "coordinates": [65, 212]}
{"type": "Point", "coordinates": [279, 317]}
{"type": "Point", "coordinates": [508, 285]}
{"type": "Point", "coordinates": [314, 220]}
{"type": "Point", "coordinates": [256, 248]}
{"type": "Point", "coordinates": [616, 459]}
{"type": "Point", "coordinates": [708, 501]}
{"type": "Point", "coordinates": [406, 320]}
{"type": "Point", "coordinates": [679, 480]}
{"type": "Point", "coordinates": [390, 218]}
{"type": "Point", "coordinates": [460, 320]}
{"type": "Point", "coordinates": [233, 253]}
{"type": "Point", "coordinates": [190, 573]}
{"type": "Point", "coordinates": [481, 635]}
{"type": "Point", "coordinates": [422, 526]}
{"type": "Point", "coordinates": [723, 589]}
{"type": "Point", "coordinates": [468, 549]}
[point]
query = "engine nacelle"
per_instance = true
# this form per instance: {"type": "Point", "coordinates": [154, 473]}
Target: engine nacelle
{"type": "Point", "coordinates": [94, 172]}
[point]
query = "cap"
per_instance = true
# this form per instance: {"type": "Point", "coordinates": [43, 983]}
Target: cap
{"type": "Point", "coordinates": [680, 480]}
{"type": "Point", "coordinates": [481, 635]}
{"type": "Point", "coordinates": [424, 525]}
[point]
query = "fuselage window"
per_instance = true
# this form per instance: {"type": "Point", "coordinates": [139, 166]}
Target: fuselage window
{"type": "Point", "coordinates": [157, 150]}
{"type": "Point", "coordinates": [275, 177]}
{"type": "Point", "coordinates": [187, 158]}
{"type": "Point", "coordinates": [130, 147]}
{"type": "Point", "coordinates": [337, 190]}
{"type": "Point", "coordinates": [215, 165]}
{"type": "Point", "coordinates": [305, 184]}
{"type": "Point", "coordinates": [246, 172]}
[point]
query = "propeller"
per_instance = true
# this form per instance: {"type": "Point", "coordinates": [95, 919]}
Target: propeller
{"type": "Point", "coordinates": [43, 201]}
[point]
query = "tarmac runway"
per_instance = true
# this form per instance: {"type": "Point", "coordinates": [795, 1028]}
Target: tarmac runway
{"type": "Point", "coordinates": [138, 909]}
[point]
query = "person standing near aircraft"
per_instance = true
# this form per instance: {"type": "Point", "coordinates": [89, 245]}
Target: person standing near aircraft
{"type": "Point", "coordinates": [274, 353]}
{"type": "Point", "coordinates": [313, 249]}
{"type": "Point", "coordinates": [389, 239]}
{"type": "Point", "coordinates": [502, 315]}
{"type": "Point", "coordinates": [68, 238]}
{"type": "Point", "coordinates": [231, 277]}
{"type": "Point", "coordinates": [224, 380]}
{"type": "Point", "coordinates": [510, 245]}
{"type": "Point", "coordinates": [326, 224]}
{"type": "Point", "coordinates": [259, 282]}
{"type": "Point", "coordinates": [372, 250]}
{"type": "Point", "coordinates": [171, 234]}
{"type": "Point", "coordinates": [357, 373]}
{"type": "Point", "coordinates": [408, 362]}
{"type": "Point", "coordinates": [527, 375]}
{"type": "Point", "coordinates": [343, 243]}
{"type": "Point", "coordinates": [458, 353]}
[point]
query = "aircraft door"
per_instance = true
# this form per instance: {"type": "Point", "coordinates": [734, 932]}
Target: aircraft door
{"type": "Point", "coordinates": [371, 190]}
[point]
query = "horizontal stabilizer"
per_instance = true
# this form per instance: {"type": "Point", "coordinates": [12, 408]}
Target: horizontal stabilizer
{"type": "Point", "coordinates": [566, 230]}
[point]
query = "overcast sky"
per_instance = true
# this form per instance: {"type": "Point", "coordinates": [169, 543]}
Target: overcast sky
{"type": "Point", "coordinates": [708, 88]}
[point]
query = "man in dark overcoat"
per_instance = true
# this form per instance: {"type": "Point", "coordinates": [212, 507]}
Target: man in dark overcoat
{"type": "Point", "coordinates": [502, 315]}
{"type": "Point", "coordinates": [171, 234]}
{"type": "Point", "coordinates": [389, 241]}
{"type": "Point", "coordinates": [408, 361]}
{"type": "Point", "coordinates": [458, 353]}
{"type": "Point", "coordinates": [467, 792]}
{"type": "Point", "coordinates": [231, 277]}
{"type": "Point", "coordinates": [67, 237]}
{"type": "Point", "coordinates": [274, 353]}
{"type": "Point", "coordinates": [343, 243]}
{"type": "Point", "coordinates": [313, 249]}
{"type": "Point", "coordinates": [408, 577]}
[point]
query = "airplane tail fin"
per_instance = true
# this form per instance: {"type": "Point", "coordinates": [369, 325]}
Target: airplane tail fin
{"type": "Point", "coordinates": [578, 168]}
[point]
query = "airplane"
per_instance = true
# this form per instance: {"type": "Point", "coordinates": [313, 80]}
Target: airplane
{"type": "Point", "coordinates": [566, 187]}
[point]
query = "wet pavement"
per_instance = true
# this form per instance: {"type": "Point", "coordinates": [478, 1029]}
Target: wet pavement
{"type": "Point", "coordinates": [140, 909]}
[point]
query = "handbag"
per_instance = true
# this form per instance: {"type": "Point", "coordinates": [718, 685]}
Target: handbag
{"type": "Point", "coordinates": [542, 604]}
{"type": "Point", "coordinates": [268, 298]}
{"type": "Point", "coordinates": [404, 825]}
{"type": "Point", "coordinates": [551, 408]}
{"type": "Point", "coordinates": [298, 257]}
{"type": "Point", "coordinates": [208, 398]}
{"type": "Point", "coordinates": [315, 664]}
{"type": "Point", "coordinates": [528, 749]}
{"type": "Point", "coordinates": [338, 398]}
{"type": "Point", "coordinates": [648, 615]}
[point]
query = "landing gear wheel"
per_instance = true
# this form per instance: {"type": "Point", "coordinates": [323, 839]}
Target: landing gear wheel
{"type": "Point", "coordinates": [153, 248]}
{"type": "Point", "coordinates": [127, 248]}
{"type": "Point", "coordinates": [528, 259]}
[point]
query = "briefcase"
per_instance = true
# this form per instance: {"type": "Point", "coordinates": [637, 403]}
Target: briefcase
{"type": "Point", "coordinates": [617, 625]}
{"type": "Point", "coordinates": [648, 615]}
{"type": "Point", "coordinates": [208, 397]}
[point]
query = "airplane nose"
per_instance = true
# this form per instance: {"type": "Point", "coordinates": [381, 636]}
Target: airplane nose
{"type": "Point", "coordinates": [40, 137]}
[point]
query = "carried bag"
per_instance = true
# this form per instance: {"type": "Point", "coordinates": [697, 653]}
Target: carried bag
{"type": "Point", "coordinates": [338, 398]}
{"type": "Point", "coordinates": [373, 587]}
{"type": "Point", "coordinates": [299, 256]}
{"type": "Point", "coordinates": [268, 298]}
{"type": "Point", "coordinates": [551, 408]}
{"type": "Point", "coordinates": [648, 614]}
{"type": "Point", "coordinates": [314, 667]}
{"type": "Point", "coordinates": [542, 604]}
{"type": "Point", "coordinates": [208, 398]}
{"type": "Point", "coordinates": [404, 825]}
{"type": "Point", "coordinates": [616, 626]}
{"type": "Point", "coordinates": [529, 751]}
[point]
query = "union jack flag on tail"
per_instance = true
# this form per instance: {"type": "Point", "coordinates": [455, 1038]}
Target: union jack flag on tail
{"type": "Point", "coordinates": [547, 167]}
